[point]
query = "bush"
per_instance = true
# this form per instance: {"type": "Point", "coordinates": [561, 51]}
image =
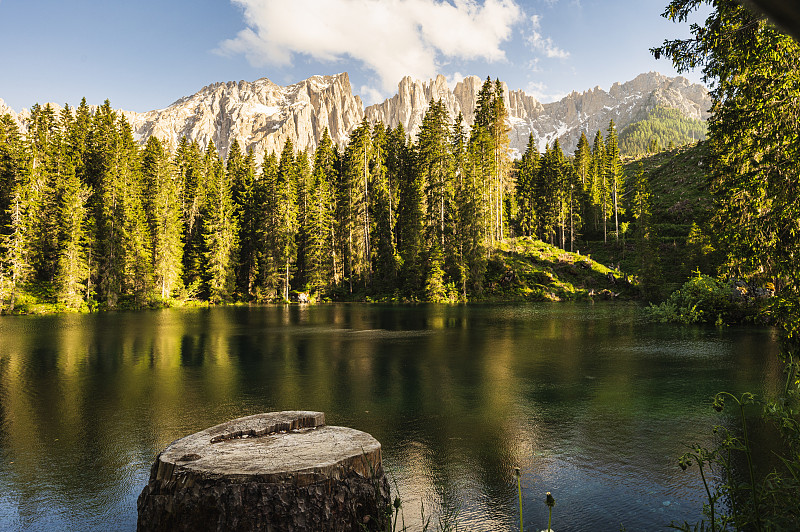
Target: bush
{"type": "Point", "coordinates": [701, 299]}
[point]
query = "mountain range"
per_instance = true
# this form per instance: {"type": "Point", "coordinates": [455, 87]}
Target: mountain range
{"type": "Point", "coordinates": [262, 116]}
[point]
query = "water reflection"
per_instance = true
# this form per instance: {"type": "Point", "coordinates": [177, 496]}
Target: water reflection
{"type": "Point", "coordinates": [591, 402]}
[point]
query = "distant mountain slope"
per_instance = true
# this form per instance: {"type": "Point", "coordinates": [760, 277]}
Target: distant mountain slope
{"type": "Point", "coordinates": [662, 126]}
{"type": "Point", "coordinates": [262, 116]}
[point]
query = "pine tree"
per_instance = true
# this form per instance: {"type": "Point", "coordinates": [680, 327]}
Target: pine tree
{"type": "Point", "coordinates": [220, 230]}
{"type": "Point", "coordinates": [319, 221]}
{"type": "Point", "coordinates": [526, 187]}
{"type": "Point", "coordinates": [500, 150]}
{"type": "Point", "coordinates": [548, 192]}
{"type": "Point", "coordinates": [137, 273]}
{"type": "Point", "coordinates": [16, 245]}
{"type": "Point", "coordinates": [472, 215]}
{"type": "Point", "coordinates": [400, 173]}
{"type": "Point", "coordinates": [72, 270]}
{"type": "Point", "coordinates": [613, 173]}
{"type": "Point", "coordinates": [270, 267]}
{"type": "Point", "coordinates": [241, 173]}
{"type": "Point", "coordinates": [381, 207]}
{"type": "Point", "coordinates": [15, 234]}
{"type": "Point", "coordinates": [44, 140]}
{"type": "Point", "coordinates": [191, 184]}
{"type": "Point", "coordinates": [12, 166]}
{"type": "Point", "coordinates": [599, 190]}
{"type": "Point", "coordinates": [285, 251]}
{"type": "Point", "coordinates": [303, 186]}
{"type": "Point", "coordinates": [354, 196]}
{"type": "Point", "coordinates": [411, 225]}
{"type": "Point", "coordinates": [434, 165]}
{"type": "Point", "coordinates": [583, 160]}
{"type": "Point", "coordinates": [574, 198]}
{"type": "Point", "coordinates": [164, 218]}
{"type": "Point", "coordinates": [106, 203]}
{"type": "Point", "coordinates": [483, 159]}
{"type": "Point", "coordinates": [464, 217]}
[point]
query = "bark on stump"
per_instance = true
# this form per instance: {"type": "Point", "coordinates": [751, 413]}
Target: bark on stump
{"type": "Point", "coordinates": [281, 471]}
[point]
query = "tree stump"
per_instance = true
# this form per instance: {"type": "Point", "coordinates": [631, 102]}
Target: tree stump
{"type": "Point", "coordinates": [280, 471]}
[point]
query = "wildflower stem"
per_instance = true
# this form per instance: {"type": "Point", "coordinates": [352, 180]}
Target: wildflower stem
{"type": "Point", "coordinates": [519, 493]}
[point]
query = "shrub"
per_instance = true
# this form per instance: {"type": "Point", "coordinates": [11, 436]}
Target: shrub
{"type": "Point", "coordinates": [702, 299]}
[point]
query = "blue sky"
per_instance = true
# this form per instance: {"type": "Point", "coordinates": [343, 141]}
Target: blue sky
{"type": "Point", "coordinates": [145, 54]}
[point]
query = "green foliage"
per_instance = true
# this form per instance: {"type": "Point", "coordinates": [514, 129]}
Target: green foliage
{"type": "Point", "coordinates": [220, 230]}
{"type": "Point", "coordinates": [754, 146]}
{"type": "Point", "coordinates": [743, 501]}
{"type": "Point", "coordinates": [524, 269]}
{"type": "Point", "coordinates": [94, 220]}
{"type": "Point", "coordinates": [319, 221]}
{"type": "Point", "coordinates": [662, 126]}
{"type": "Point", "coordinates": [702, 299]}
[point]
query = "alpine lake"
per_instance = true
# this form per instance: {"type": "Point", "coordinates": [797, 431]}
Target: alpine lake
{"type": "Point", "coordinates": [592, 402]}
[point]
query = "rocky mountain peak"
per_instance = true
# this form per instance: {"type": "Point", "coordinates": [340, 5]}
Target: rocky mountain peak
{"type": "Point", "coordinates": [565, 119]}
{"type": "Point", "coordinates": [259, 115]}
{"type": "Point", "coordinates": [262, 115]}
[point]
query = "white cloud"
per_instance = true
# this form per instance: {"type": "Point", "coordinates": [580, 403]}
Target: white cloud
{"type": "Point", "coordinates": [552, 3]}
{"type": "Point", "coordinates": [539, 90]}
{"type": "Point", "coordinates": [544, 44]}
{"type": "Point", "coordinates": [533, 65]}
{"type": "Point", "coordinates": [455, 79]}
{"type": "Point", "coordinates": [371, 95]}
{"type": "Point", "coordinates": [393, 38]}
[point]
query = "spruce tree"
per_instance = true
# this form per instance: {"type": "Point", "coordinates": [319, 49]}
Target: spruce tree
{"type": "Point", "coordinates": [599, 190]}
{"type": "Point", "coordinates": [354, 195]}
{"type": "Point", "coordinates": [191, 176]}
{"type": "Point", "coordinates": [285, 251]}
{"type": "Point", "coordinates": [613, 173]}
{"type": "Point", "coordinates": [500, 151]}
{"type": "Point", "coordinates": [12, 166]}
{"type": "Point", "coordinates": [381, 207]}
{"type": "Point", "coordinates": [107, 204]}
{"type": "Point", "coordinates": [528, 168]}
{"type": "Point", "coordinates": [220, 230]}
{"type": "Point", "coordinates": [303, 200]}
{"type": "Point", "coordinates": [434, 166]}
{"type": "Point", "coordinates": [241, 173]}
{"type": "Point", "coordinates": [72, 270]}
{"type": "Point", "coordinates": [137, 273]}
{"type": "Point", "coordinates": [164, 218]}
{"type": "Point", "coordinates": [269, 284]}
{"type": "Point", "coordinates": [319, 220]}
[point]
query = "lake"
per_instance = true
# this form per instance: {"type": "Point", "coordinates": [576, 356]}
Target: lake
{"type": "Point", "coordinates": [591, 401]}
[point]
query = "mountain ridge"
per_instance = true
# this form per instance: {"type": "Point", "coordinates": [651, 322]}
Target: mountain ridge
{"type": "Point", "coordinates": [261, 115]}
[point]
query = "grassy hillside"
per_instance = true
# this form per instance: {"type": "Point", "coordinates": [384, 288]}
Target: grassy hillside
{"type": "Point", "coordinates": [524, 269]}
{"type": "Point", "coordinates": [682, 208]}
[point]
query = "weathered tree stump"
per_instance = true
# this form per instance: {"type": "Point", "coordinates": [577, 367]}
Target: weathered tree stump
{"type": "Point", "coordinates": [281, 471]}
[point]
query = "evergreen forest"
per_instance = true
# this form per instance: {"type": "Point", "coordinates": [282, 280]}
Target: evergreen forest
{"type": "Point", "coordinates": [663, 127]}
{"type": "Point", "coordinates": [93, 220]}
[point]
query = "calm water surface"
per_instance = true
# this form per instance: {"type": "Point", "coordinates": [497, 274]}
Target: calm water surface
{"type": "Point", "coordinates": [592, 403]}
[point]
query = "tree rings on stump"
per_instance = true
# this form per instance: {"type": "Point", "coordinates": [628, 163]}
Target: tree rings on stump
{"type": "Point", "coordinates": [279, 471]}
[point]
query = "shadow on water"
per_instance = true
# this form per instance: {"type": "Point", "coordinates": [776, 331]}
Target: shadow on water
{"type": "Point", "coordinates": [593, 403]}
